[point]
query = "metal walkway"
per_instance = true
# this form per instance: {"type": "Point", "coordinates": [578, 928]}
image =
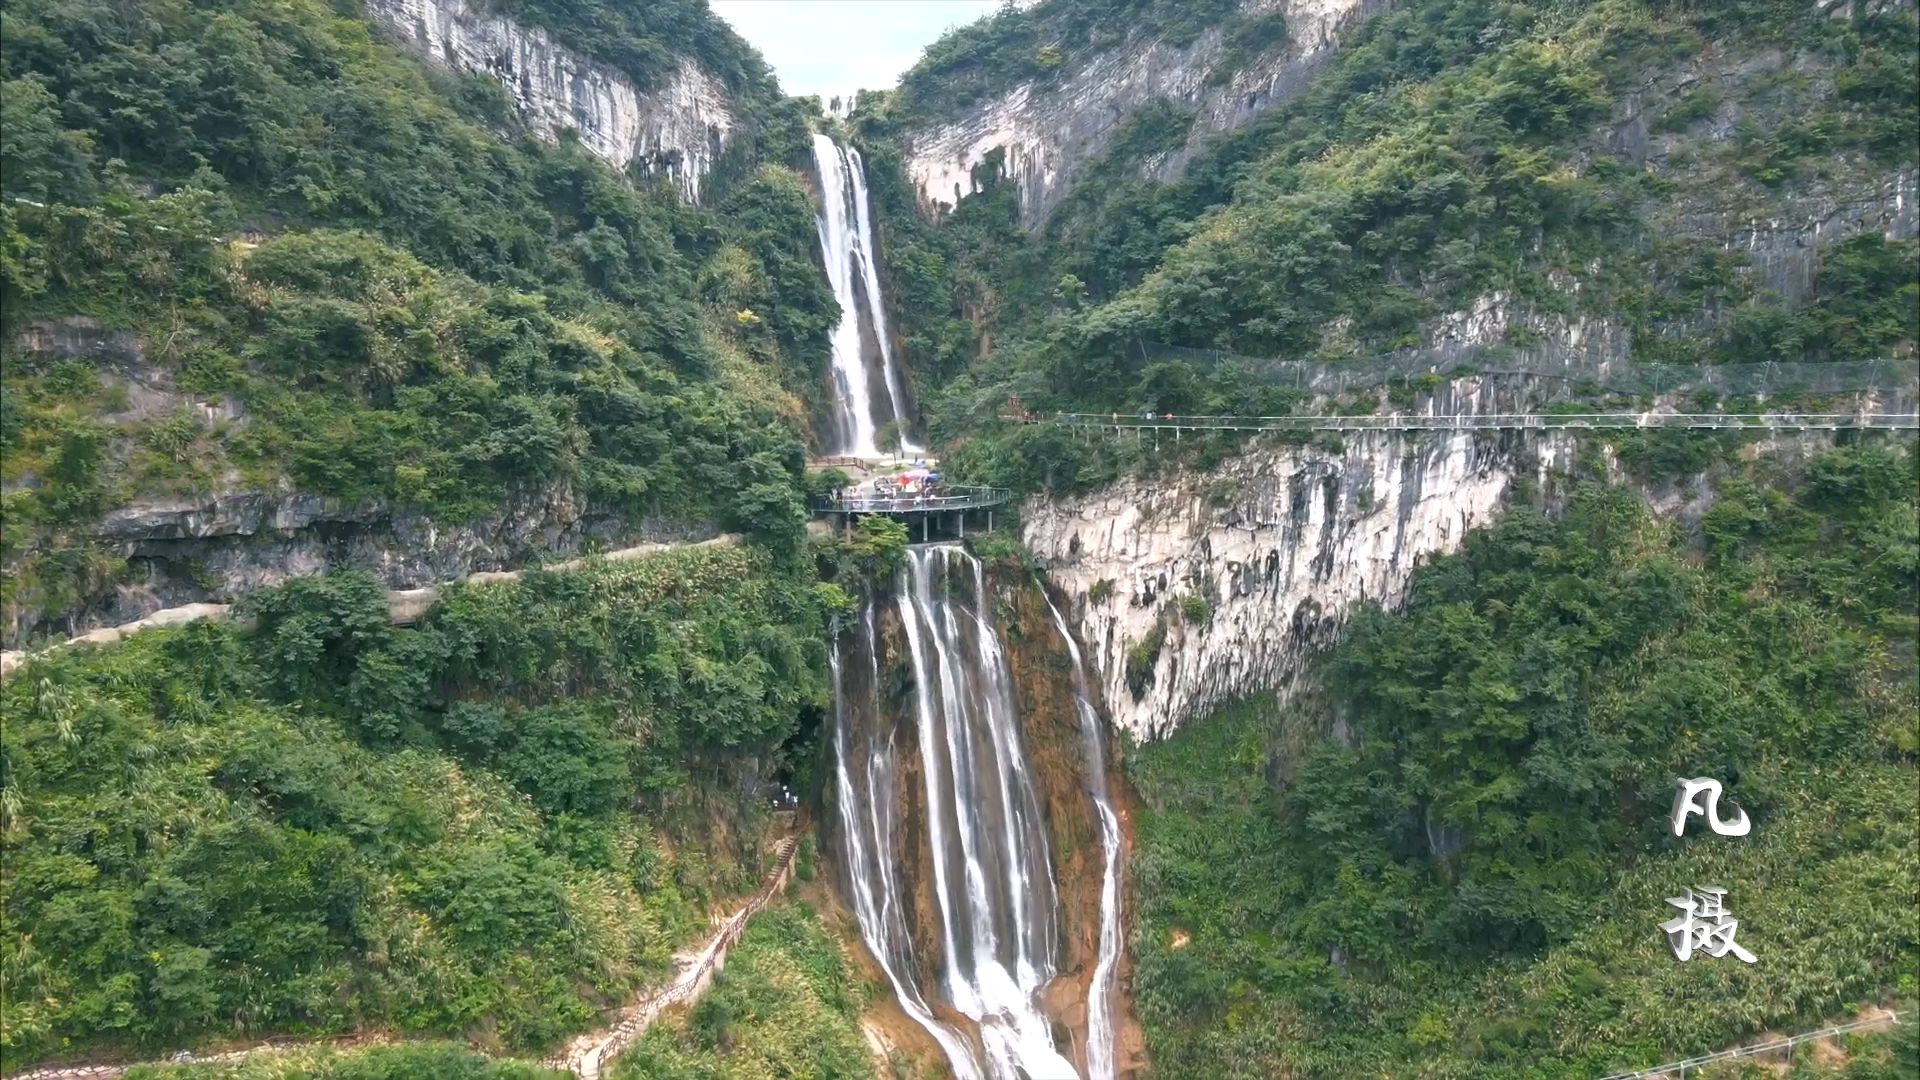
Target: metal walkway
{"type": "Point", "coordinates": [1784, 1047]}
{"type": "Point", "coordinates": [1178, 425]}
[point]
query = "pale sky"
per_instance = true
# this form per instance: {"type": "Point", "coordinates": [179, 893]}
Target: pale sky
{"type": "Point", "coordinates": [830, 47]}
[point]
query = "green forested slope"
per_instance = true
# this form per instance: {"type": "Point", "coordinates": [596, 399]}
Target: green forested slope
{"type": "Point", "coordinates": [482, 826]}
{"type": "Point", "coordinates": [1450, 151]}
{"type": "Point", "coordinates": [1470, 880]}
{"type": "Point", "coordinates": [440, 311]}
{"type": "Point", "coordinates": [356, 277]}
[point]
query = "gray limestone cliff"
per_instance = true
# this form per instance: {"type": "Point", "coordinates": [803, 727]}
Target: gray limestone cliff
{"type": "Point", "coordinates": [1193, 588]}
{"type": "Point", "coordinates": [678, 128]}
{"type": "Point", "coordinates": [1050, 131]}
{"type": "Point", "coordinates": [1190, 589]}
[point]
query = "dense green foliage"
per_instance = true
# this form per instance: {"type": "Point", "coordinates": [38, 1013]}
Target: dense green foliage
{"type": "Point", "coordinates": [482, 825]}
{"type": "Point", "coordinates": [1472, 879]}
{"type": "Point", "coordinates": [442, 1062]}
{"type": "Point", "coordinates": [437, 321]}
{"type": "Point", "coordinates": [1451, 150]}
{"type": "Point", "coordinates": [787, 1005]}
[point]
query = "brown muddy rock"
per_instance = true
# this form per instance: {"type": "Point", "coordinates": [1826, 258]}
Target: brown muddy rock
{"type": "Point", "coordinates": [1065, 999]}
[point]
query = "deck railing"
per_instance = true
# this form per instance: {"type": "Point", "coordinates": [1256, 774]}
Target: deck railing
{"type": "Point", "coordinates": [949, 498]}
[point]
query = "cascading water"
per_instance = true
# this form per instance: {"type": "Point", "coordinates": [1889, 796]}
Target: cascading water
{"type": "Point", "coordinates": [868, 392]}
{"type": "Point", "coordinates": [1101, 1009]}
{"type": "Point", "coordinates": [992, 869]}
{"type": "Point", "coordinates": [866, 771]}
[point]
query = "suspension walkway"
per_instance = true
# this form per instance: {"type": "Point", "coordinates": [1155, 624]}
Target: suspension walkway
{"type": "Point", "coordinates": [1178, 425]}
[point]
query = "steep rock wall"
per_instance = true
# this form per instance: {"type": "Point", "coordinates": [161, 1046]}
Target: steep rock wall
{"type": "Point", "coordinates": [678, 128]}
{"type": "Point", "coordinates": [1051, 131]}
{"type": "Point", "coordinates": [1240, 573]}
{"type": "Point", "coordinates": [161, 551]}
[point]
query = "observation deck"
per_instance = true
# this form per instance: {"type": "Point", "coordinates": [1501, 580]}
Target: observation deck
{"type": "Point", "coordinates": [947, 503]}
{"type": "Point", "coordinates": [948, 498]}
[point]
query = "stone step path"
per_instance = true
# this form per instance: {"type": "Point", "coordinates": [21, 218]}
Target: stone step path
{"type": "Point", "coordinates": [585, 1057]}
{"type": "Point", "coordinates": [588, 1054]}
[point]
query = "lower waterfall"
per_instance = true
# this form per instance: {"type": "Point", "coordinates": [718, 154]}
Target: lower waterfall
{"type": "Point", "coordinates": [971, 974]}
{"type": "Point", "coordinates": [1100, 993]}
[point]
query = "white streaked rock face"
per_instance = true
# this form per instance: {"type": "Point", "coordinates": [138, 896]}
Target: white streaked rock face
{"type": "Point", "coordinates": [678, 128]}
{"type": "Point", "coordinates": [1280, 543]}
{"type": "Point", "coordinates": [1051, 131]}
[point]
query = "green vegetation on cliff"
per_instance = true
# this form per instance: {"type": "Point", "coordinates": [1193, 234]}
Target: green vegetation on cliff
{"type": "Point", "coordinates": [440, 316]}
{"type": "Point", "coordinates": [258, 250]}
{"type": "Point", "coordinates": [1469, 880]}
{"type": "Point", "coordinates": [1566, 161]}
{"type": "Point", "coordinates": [1035, 42]}
{"type": "Point", "coordinates": [647, 41]}
{"type": "Point", "coordinates": [485, 825]}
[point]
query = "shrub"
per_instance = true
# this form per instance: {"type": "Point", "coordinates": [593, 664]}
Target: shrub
{"type": "Point", "coordinates": [1195, 610]}
{"type": "Point", "coordinates": [1142, 655]}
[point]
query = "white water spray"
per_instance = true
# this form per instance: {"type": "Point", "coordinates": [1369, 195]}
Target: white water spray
{"type": "Point", "coordinates": [862, 344]}
{"type": "Point", "coordinates": [1100, 994]}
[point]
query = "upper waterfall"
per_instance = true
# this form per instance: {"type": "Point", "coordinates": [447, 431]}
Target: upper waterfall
{"type": "Point", "coordinates": [868, 392]}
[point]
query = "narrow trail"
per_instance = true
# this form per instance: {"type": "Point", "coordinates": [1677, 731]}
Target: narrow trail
{"type": "Point", "coordinates": [405, 606]}
{"type": "Point", "coordinates": [585, 1057]}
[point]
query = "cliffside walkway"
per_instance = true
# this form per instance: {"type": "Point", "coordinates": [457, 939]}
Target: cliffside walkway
{"type": "Point", "coordinates": [1677, 1070]}
{"type": "Point", "coordinates": [1179, 425]}
{"type": "Point", "coordinates": [584, 1057]}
